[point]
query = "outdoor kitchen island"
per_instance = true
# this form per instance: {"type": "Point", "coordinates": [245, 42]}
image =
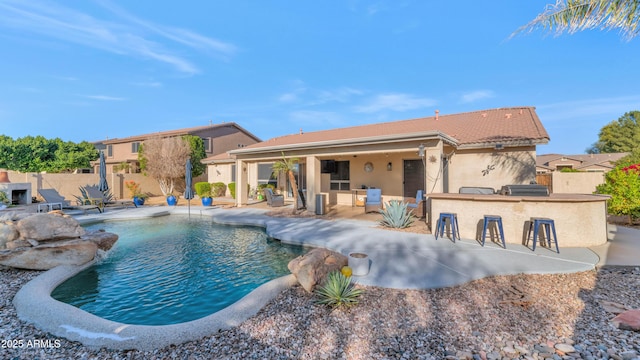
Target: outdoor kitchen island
{"type": "Point", "coordinates": [580, 219]}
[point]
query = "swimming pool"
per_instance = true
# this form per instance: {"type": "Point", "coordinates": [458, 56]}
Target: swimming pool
{"type": "Point", "coordinates": [173, 269]}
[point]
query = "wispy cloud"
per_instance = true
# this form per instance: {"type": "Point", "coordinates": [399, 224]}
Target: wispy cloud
{"type": "Point", "coordinates": [395, 102]}
{"type": "Point", "coordinates": [474, 96]}
{"type": "Point", "coordinates": [127, 35]}
{"type": "Point", "coordinates": [103, 97]}
{"type": "Point", "coordinates": [293, 95]}
{"type": "Point", "coordinates": [609, 108]}
{"type": "Point", "coordinates": [316, 119]}
{"type": "Point", "coordinates": [153, 84]}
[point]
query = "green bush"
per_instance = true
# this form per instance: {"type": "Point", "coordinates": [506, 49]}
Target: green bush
{"type": "Point", "coordinates": [232, 189]}
{"type": "Point", "coordinates": [219, 189]}
{"type": "Point", "coordinates": [395, 215]}
{"type": "Point", "coordinates": [203, 189]}
{"type": "Point", "coordinates": [337, 291]}
{"type": "Point", "coordinates": [4, 199]}
{"type": "Point", "coordinates": [623, 185]}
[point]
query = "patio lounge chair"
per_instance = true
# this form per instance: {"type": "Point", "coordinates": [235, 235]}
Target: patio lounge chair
{"type": "Point", "coordinates": [373, 202]}
{"type": "Point", "coordinates": [273, 200]}
{"type": "Point", "coordinates": [96, 197]}
{"type": "Point", "coordinates": [418, 207]}
{"type": "Point", "coordinates": [52, 197]}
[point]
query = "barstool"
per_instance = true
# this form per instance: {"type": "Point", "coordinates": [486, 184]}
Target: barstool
{"type": "Point", "coordinates": [488, 219]}
{"type": "Point", "coordinates": [549, 225]}
{"type": "Point", "coordinates": [453, 221]}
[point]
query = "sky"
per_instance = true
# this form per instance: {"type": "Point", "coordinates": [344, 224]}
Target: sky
{"type": "Point", "coordinates": [94, 70]}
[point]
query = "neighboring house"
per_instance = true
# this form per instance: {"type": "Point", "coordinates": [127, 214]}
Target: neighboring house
{"type": "Point", "coordinates": [488, 148]}
{"type": "Point", "coordinates": [583, 162]}
{"type": "Point", "coordinates": [217, 138]}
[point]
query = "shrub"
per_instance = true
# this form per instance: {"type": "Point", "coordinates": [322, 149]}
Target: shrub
{"type": "Point", "coordinates": [337, 291]}
{"type": "Point", "coordinates": [4, 199]}
{"type": "Point", "coordinates": [134, 188]}
{"type": "Point", "coordinates": [232, 189]}
{"type": "Point", "coordinates": [623, 184]}
{"type": "Point", "coordinates": [203, 189]}
{"type": "Point", "coordinates": [218, 189]}
{"type": "Point", "coordinates": [395, 215]}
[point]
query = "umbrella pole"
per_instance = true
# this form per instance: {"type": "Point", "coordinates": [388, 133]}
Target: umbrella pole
{"type": "Point", "coordinates": [189, 207]}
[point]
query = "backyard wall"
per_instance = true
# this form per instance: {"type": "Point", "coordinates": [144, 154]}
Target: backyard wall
{"type": "Point", "coordinates": [68, 184]}
{"type": "Point", "coordinates": [576, 183]}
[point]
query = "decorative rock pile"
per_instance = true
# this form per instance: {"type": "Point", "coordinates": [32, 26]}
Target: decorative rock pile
{"type": "Point", "coordinates": [44, 241]}
{"type": "Point", "coordinates": [311, 269]}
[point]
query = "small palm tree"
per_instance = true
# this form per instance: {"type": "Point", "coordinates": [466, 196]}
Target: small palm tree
{"type": "Point", "coordinates": [288, 166]}
{"type": "Point", "coordinates": [577, 15]}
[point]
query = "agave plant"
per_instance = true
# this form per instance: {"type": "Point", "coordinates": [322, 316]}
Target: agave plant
{"type": "Point", "coordinates": [337, 291]}
{"type": "Point", "coordinates": [395, 215]}
{"type": "Point", "coordinates": [84, 197]}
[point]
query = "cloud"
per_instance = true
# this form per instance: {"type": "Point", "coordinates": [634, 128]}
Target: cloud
{"type": "Point", "coordinates": [126, 35]}
{"type": "Point", "coordinates": [395, 102]}
{"type": "Point", "coordinates": [609, 109]}
{"type": "Point", "coordinates": [152, 84]}
{"type": "Point", "coordinates": [341, 95]}
{"type": "Point", "coordinates": [316, 119]}
{"type": "Point", "coordinates": [103, 97]}
{"type": "Point", "coordinates": [476, 95]}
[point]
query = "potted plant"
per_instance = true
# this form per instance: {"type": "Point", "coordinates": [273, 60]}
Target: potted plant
{"type": "Point", "coordinates": [135, 192]}
{"type": "Point", "coordinates": [172, 200]}
{"type": "Point", "coordinates": [203, 189]}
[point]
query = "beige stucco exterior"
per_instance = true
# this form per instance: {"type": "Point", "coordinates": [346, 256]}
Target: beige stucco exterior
{"type": "Point", "coordinates": [580, 220]}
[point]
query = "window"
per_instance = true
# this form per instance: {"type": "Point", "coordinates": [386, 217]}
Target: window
{"type": "Point", "coordinates": [233, 173]}
{"type": "Point", "coordinates": [265, 174]}
{"type": "Point", "coordinates": [340, 178]}
{"type": "Point", "coordinates": [207, 144]}
{"type": "Point", "coordinates": [135, 146]}
{"type": "Point", "coordinates": [109, 150]}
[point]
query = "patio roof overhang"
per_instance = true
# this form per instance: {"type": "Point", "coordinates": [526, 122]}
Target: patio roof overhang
{"type": "Point", "coordinates": [350, 144]}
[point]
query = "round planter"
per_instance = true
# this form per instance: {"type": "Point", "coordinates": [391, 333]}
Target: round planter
{"type": "Point", "coordinates": [138, 201]}
{"type": "Point", "coordinates": [359, 264]}
{"type": "Point", "coordinates": [171, 200]}
{"type": "Point", "coordinates": [207, 201]}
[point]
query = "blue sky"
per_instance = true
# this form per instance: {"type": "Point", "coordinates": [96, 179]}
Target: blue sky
{"type": "Point", "coordinates": [91, 70]}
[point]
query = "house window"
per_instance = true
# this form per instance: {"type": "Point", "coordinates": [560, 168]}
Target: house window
{"type": "Point", "coordinates": [135, 146]}
{"type": "Point", "coordinates": [207, 144]}
{"type": "Point", "coordinates": [233, 173]}
{"type": "Point", "coordinates": [109, 150]}
{"type": "Point", "coordinates": [265, 174]}
{"type": "Point", "coordinates": [340, 178]}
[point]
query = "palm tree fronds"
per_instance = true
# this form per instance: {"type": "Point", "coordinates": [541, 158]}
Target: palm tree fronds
{"type": "Point", "coordinates": [576, 15]}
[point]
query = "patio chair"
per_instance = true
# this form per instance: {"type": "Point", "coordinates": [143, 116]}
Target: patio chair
{"type": "Point", "coordinates": [273, 200]}
{"type": "Point", "coordinates": [96, 197]}
{"type": "Point", "coordinates": [418, 207]}
{"type": "Point", "coordinates": [52, 197]}
{"type": "Point", "coordinates": [373, 202]}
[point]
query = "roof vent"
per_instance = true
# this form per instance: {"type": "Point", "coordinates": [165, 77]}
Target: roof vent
{"type": "Point", "coordinates": [499, 146]}
{"type": "Point", "coordinates": [508, 116]}
{"type": "Point", "coordinates": [521, 111]}
{"type": "Point", "coordinates": [484, 115]}
{"type": "Point", "coordinates": [301, 131]}
{"type": "Point", "coordinates": [437, 113]}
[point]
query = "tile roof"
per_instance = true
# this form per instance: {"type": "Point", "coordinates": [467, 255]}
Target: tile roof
{"type": "Point", "coordinates": [478, 128]}
{"type": "Point", "coordinates": [177, 132]}
{"type": "Point", "coordinates": [586, 160]}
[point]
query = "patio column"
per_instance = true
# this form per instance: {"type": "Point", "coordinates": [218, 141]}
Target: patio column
{"type": "Point", "coordinates": [314, 182]}
{"type": "Point", "coordinates": [241, 183]}
{"type": "Point", "coordinates": [434, 170]}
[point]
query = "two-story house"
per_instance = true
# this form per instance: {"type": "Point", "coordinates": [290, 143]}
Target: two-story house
{"type": "Point", "coordinates": [122, 153]}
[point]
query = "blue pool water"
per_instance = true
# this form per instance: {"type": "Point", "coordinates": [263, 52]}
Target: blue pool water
{"type": "Point", "coordinates": [173, 269]}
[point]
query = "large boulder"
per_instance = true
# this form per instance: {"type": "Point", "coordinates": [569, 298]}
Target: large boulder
{"type": "Point", "coordinates": [46, 227]}
{"type": "Point", "coordinates": [50, 255]}
{"type": "Point", "coordinates": [8, 232]}
{"type": "Point", "coordinates": [312, 268]}
{"type": "Point", "coordinates": [44, 241]}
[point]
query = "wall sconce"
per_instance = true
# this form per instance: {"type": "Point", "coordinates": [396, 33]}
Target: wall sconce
{"type": "Point", "coordinates": [421, 150]}
{"type": "Point", "coordinates": [389, 166]}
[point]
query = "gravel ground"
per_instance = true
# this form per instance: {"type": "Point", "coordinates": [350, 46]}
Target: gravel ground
{"type": "Point", "coordinates": [503, 317]}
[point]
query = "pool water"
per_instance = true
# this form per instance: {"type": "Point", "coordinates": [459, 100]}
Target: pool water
{"type": "Point", "coordinates": [174, 269]}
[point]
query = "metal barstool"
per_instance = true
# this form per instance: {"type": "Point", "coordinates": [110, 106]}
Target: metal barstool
{"type": "Point", "coordinates": [453, 223]}
{"type": "Point", "coordinates": [535, 223]}
{"type": "Point", "coordinates": [488, 219]}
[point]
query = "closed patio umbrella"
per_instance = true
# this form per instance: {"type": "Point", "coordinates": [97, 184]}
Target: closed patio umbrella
{"type": "Point", "coordinates": [103, 185]}
{"type": "Point", "coordinates": [188, 191]}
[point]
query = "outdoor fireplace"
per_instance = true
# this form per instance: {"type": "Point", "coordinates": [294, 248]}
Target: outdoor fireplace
{"type": "Point", "coordinates": [18, 193]}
